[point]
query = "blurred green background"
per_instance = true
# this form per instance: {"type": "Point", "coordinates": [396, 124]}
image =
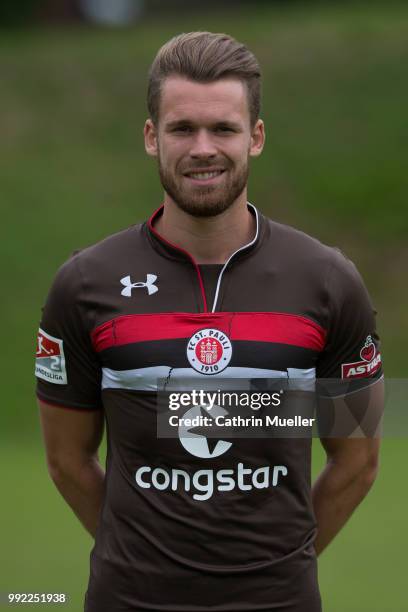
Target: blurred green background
{"type": "Point", "coordinates": [73, 169]}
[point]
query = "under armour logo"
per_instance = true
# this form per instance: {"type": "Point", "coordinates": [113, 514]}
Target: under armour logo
{"type": "Point", "coordinates": [149, 285]}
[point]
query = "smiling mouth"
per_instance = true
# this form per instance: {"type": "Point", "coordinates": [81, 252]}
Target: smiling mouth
{"type": "Point", "coordinates": [204, 176]}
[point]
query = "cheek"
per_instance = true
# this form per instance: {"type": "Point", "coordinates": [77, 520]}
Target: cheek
{"type": "Point", "coordinates": [238, 150]}
{"type": "Point", "coordinates": [171, 154]}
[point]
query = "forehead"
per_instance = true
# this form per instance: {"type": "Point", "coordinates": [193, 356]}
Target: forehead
{"type": "Point", "coordinates": [222, 100]}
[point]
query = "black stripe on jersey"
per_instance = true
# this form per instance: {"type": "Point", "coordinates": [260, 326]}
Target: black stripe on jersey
{"type": "Point", "coordinates": [249, 354]}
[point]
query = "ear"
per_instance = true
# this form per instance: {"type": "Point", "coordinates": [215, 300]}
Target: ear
{"type": "Point", "coordinates": [257, 139]}
{"type": "Point", "coordinates": [150, 138]}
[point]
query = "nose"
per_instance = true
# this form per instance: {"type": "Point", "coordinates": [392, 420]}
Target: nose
{"type": "Point", "coordinates": [203, 145]}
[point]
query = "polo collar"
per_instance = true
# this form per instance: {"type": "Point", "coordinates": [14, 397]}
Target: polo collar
{"type": "Point", "coordinates": [173, 251]}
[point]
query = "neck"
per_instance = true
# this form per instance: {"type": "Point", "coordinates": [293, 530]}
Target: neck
{"type": "Point", "coordinates": [210, 240]}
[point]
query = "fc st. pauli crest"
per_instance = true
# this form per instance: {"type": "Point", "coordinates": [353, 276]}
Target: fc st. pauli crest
{"type": "Point", "coordinates": [209, 351]}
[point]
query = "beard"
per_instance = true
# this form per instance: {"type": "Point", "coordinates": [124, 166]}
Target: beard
{"type": "Point", "coordinates": [205, 201]}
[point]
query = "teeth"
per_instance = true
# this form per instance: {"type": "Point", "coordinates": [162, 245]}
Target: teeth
{"type": "Point", "coordinates": [202, 176]}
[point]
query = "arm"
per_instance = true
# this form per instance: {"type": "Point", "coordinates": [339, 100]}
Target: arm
{"type": "Point", "coordinates": [72, 439]}
{"type": "Point", "coordinates": [344, 482]}
{"type": "Point", "coordinates": [350, 471]}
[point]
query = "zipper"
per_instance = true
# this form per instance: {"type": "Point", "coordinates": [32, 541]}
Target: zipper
{"type": "Point", "coordinates": [217, 290]}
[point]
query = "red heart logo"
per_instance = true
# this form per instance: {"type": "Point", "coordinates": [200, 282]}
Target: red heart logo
{"type": "Point", "coordinates": [367, 352]}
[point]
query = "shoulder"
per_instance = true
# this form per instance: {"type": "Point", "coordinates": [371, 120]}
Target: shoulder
{"type": "Point", "coordinates": [103, 254]}
{"type": "Point", "coordinates": [312, 264]}
{"type": "Point", "coordinates": [91, 264]}
{"type": "Point", "coordinates": [304, 250]}
{"type": "Point", "coordinates": [297, 242]}
{"type": "Point", "coordinates": [114, 245]}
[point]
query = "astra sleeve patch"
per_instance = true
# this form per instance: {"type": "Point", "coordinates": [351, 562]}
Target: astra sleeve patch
{"type": "Point", "coordinates": [50, 359]}
{"type": "Point", "coordinates": [369, 364]}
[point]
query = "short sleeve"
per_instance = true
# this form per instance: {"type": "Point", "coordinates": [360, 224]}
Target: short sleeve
{"type": "Point", "coordinates": [67, 370]}
{"type": "Point", "coordinates": [352, 351]}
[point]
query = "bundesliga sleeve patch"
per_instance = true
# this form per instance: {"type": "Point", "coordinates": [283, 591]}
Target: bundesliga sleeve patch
{"type": "Point", "coordinates": [369, 364]}
{"type": "Point", "coordinates": [49, 359]}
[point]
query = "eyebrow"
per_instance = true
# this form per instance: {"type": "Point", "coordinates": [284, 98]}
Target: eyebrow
{"type": "Point", "coordinates": [187, 123]}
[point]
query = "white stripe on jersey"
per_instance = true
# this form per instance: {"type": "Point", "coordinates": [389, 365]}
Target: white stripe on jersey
{"type": "Point", "coordinates": [152, 379]}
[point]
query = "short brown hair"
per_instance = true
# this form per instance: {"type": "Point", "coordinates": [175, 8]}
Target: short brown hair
{"type": "Point", "coordinates": [205, 57]}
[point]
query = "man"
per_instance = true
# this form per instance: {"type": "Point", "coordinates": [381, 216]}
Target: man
{"type": "Point", "coordinates": [207, 288]}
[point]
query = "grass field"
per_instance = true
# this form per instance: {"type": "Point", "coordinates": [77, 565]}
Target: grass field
{"type": "Point", "coordinates": [73, 170]}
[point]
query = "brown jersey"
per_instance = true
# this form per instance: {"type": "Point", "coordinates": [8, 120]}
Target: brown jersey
{"type": "Point", "coordinates": [226, 526]}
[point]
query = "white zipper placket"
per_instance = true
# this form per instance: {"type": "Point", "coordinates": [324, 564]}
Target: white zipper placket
{"type": "Point", "coordinates": [217, 290]}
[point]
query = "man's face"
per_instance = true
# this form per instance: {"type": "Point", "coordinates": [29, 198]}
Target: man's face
{"type": "Point", "coordinates": [203, 141]}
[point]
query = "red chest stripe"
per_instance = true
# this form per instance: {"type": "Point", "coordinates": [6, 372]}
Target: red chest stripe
{"type": "Point", "coordinates": [275, 327]}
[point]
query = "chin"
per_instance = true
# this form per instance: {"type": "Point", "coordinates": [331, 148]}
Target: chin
{"type": "Point", "coordinates": [203, 209]}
